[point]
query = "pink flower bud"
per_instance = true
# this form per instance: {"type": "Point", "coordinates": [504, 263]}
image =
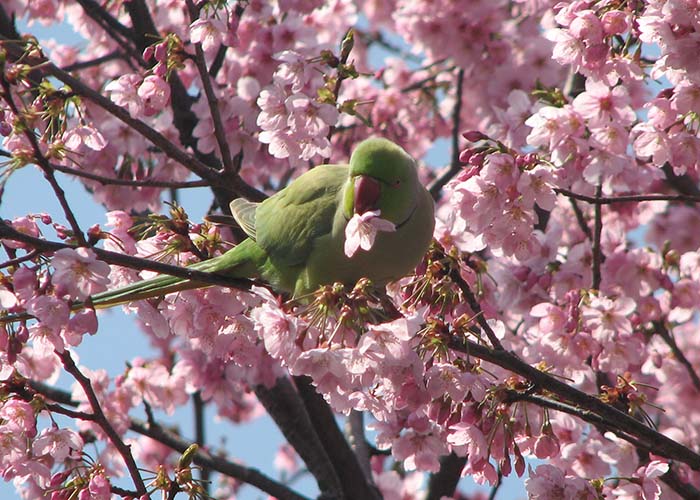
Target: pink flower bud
{"type": "Point", "coordinates": [474, 136]}
{"type": "Point", "coordinates": [148, 53]}
{"type": "Point", "coordinates": [161, 52]}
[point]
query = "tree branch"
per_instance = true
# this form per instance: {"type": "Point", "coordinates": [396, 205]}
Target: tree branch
{"type": "Point", "coordinates": [285, 407]}
{"type": "Point", "coordinates": [597, 232]}
{"type": "Point", "coordinates": [627, 198]}
{"type": "Point", "coordinates": [664, 333]}
{"type": "Point", "coordinates": [649, 438]}
{"type": "Point", "coordinates": [212, 100]}
{"type": "Point", "coordinates": [43, 164]}
{"type": "Point", "coordinates": [436, 186]}
{"type": "Point", "coordinates": [128, 182]}
{"type": "Point", "coordinates": [352, 478]}
{"type": "Point", "coordinates": [202, 458]}
{"type": "Point", "coordinates": [100, 419]}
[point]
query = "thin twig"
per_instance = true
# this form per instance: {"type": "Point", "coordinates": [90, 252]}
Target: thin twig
{"type": "Point", "coordinates": [122, 35]}
{"type": "Point", "coordinates": [667, 336]}
{"type": "Point", "coordinates": [581, 219]}
{"type": "Point", "coordinates": [212, 100]}
{"type": "Point", "coordinates": [597, 231]}
{"type": "Point", "coordinates": [129, 182]}
{"type": "Point", "coordinates": [94, 62]}
{"type": "Point", "coordinates": [45, 166]}
{"type": "Point", "coordinates": [100, 418]}
{"type": "Point", "coordinates": [627, 198]}
{"type": "Point", "coordinates": [421, 83]}
{"type": "Point", "coordinates": [19, 260]}
{"type": "Point", "coordinates": [618, 421]}
{"type": "Point", "coordinates": [436, 186]}
{"type": "Point", "coordinates": [476, 308]}
{"type": "Point", "coordinates": [497, 486]}
{"type": "Point", "coordinates": [200, 434]}
{"type": "Point", "coordinates": [202, 457]}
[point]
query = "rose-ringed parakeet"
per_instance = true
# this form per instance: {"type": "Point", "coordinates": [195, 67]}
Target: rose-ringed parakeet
{"type": "Point", "coordinates": [296, 238]}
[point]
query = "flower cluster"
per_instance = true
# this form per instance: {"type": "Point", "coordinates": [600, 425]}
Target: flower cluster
{"type": "Point", "coordinates": [550, 331]}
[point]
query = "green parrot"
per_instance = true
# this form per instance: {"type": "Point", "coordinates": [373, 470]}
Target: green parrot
{"type": "Point", "coordinates": [296, 237]}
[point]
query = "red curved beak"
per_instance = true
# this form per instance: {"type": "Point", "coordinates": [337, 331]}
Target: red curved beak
{"type": "Point", "coordinates": [366, 196]}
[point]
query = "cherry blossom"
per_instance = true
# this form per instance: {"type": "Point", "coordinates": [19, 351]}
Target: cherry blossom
{"type": "Point", "coordinates": [362, 229]}
{"type": "Point", "coordinates": [79, 273]}
{"type": "Point", "coordinates": [549, 333]}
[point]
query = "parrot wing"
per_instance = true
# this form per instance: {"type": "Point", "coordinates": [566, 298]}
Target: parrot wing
{"type": "Point", "coordinates": [288, 223]}
{"type": "Point", "coordinates": [243, 211]}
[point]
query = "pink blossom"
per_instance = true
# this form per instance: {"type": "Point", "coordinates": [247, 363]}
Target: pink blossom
{"type": "Point", "coordinates": [277, 330]}
{"type": "Point", "coordinates": [608, 318]}
{"type": "Point", "coordinates": [124, 91]}
{"type": "Point", "coordinates": [154, 93]}
{"type": "Point", "coordinates": [535, 186]}
{"type": "Point", "coordinates": [52, 312]}
{"type": "Point", "coordinates": [419, 450]}
{"type": "Point", "coordinates": [25, 225]}
{"type": "Point", "coordinates": [645, 479]}
{"type": "Point", "coordinates": [210, 32]}
{"type": "Point", "coordinates": [551, 126]}
{"type": "Point", "coordinates": [83, 136]}
{"type": "Point", "coordinates": [98, 489]}
{"type": "Point", "coordinates": [362, 229]}
{"type": "Point", "coordinates": [79, 273]}
{"type": "Point", "coordinates": [296, 70]}
{"type": "Point", "coordinates": [600, 104]}
{"type": "Point", "coordinates": [549, 483]}
{"type": "Point", "coordinates": [58, 443]}
{"type": "Point", "coordinates": [17, 416]}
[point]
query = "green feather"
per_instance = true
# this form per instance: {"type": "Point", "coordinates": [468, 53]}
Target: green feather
{"type": "Point", "coordinates": [296, 237]}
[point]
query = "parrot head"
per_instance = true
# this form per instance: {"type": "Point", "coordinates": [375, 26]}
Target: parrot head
{"type": "Point", "coordinates": [382, 177]}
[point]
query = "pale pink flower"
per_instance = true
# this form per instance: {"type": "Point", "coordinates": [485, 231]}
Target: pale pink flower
{"type": "Point", "coordinates": [52, 312]}
{"type": "Point", "coordinates": [568, 50]}
{"type": "Point", "coordinates": [124, 92]}
{"type": "Point", "coordinates": [551, 126]}
{"type": "Point", "coordinates": [600, 103]}
{"type": "Point", "coordinates": [84, 137]}
{"type": "Point", "coordinates": [98, 489]}
{"type": "Point", "coordinates": [549, 483]}
{"type": "Point", "coordinates": [535, 186]}
{"type": "Point", "coordinates": [645, 484]}
{"type": "Point", "coordinates": [277, 329]}
{"type": "Point", "coordinates": [295, 70]}
{"type": "Point", "coordinates": [79, 273]}
{"type": "Point", "coordinates": [419, 451]}
{"type": "Point", "coordinates": [362, 230]}
{"type": "Point", "coordinates": [608, 318]}
{"type": "Point", "coordinates": [210, 32]}
{"type": "Point", "coordinates": [8, 300]}
{"type": "Point", "coordinates": [651, 142]}
{"type": "Point", "coordinates": [18, 416]}
{"type": "Point", "coordinates": [155, 94]}
{"type": "Point", "coordinates": [286, 459]}
{"type": "Point", "coordinates": [58, 443]}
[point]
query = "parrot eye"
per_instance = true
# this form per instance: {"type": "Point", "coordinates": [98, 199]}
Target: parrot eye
{"type": "Point", "coordinates": [397, 182]}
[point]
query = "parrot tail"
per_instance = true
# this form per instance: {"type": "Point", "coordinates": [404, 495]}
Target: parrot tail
{"type": "Point", "coordinates": [232, 263]}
